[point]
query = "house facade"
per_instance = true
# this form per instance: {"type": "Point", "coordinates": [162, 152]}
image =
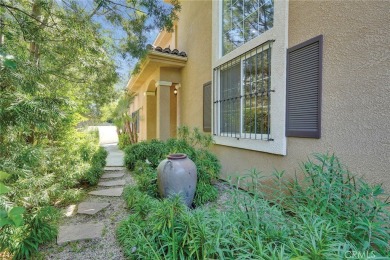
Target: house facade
{"type": "Point", "coordinates": [274, 82]}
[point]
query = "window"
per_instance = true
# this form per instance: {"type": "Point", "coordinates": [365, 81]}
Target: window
{"type": "Point", "coordinates": [242, 100]}
{"type": "Point", "coordinates": [207, 107]}
{"type": "Point", "coordinates": [243, 20]}
{"type": "Point", "coordinates": [249, 102]}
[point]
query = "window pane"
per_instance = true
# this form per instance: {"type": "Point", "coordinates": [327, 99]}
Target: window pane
{"type": "Point", "coordinates": [256, 89]}
{"type": "Point", "coordinates": [233, 34]}
{"type": "Point", "coordinates": [243, 20]}
{"type": "Point", "coordinates": [230, 99]}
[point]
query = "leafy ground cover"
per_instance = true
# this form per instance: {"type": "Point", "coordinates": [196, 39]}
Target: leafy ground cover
{"type": "Point", "coordinates": [36, 181]}
{"type": "Point", "coordinates": [328, 214]}
{"type": "Point", "coordinates": [144, 157]}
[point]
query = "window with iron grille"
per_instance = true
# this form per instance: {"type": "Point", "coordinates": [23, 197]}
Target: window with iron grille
{"type": "Point", "coordinates": [242, 97]}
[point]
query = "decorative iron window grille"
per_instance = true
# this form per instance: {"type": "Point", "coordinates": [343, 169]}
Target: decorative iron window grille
{"type": "Point", "coordinates": [242, 95]}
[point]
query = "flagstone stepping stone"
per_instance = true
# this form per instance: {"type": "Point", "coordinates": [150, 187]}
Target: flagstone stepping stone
{"type": "Point", "coordinates": [113, 192]}
{"type": "Point", "coordinates": [113, 168]}
{"type": "Point", "coordinates": [79, 232]}
{"type": "Point", "coordinates": [91, 208]}
{"type": "Point", "coordinates": [115, 156]}
{"type": "Point", "coordinates": [112, 175]}
{"type": "Point", "coordinates": [112, 183]}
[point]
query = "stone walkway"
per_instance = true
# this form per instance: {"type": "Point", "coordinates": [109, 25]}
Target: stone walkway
{"type": "Point", "coordinates": [89, 230]}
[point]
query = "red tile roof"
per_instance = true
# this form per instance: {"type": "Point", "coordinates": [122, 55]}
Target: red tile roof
{"type": "Point", "coordinates": [167, 50]}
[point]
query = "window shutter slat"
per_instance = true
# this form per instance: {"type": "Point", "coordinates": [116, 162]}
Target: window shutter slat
{"type": "Point", "coordinates": [207, 107]}
{"type": "Point", "coordinates": [303, 95]}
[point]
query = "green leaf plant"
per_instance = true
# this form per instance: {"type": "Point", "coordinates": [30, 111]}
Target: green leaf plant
{"type": "Point", "coordinates": [13, 215]}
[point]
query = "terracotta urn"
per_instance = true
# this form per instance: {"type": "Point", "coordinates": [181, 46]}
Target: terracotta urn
{"type": "Point", "coordinates": [177, 175]}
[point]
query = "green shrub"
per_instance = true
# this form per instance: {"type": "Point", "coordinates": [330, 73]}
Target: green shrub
{"type": "Point", "coordinates": [142, 167]}
{"type": "Point", "coordinates": [131, 195]}
{"type": "Point", "coordinates": [93, 175]}
{"type": "Point", "coordinates": [331, 192]}
{"type": "Point", "coordinates": [99, 158]}
{"type": "Point", "coordinates": [205, 193]}
{"type": "Point", "coordinates": [144, 157]}
{"type": "Point", "coordinates": [207, 165]}
{"type": "Point", "coordinates": [40, 227]}
{"type": "Point", "coordinates": [181, 146]}
{"type": "Point", "coordinates": [300, 223]}
{"type": "Point", "coordinates": [70, 196]}
{"type": "Point", "coordinates": [123, 141]}
{"type": "Point", "coordinates": [144, 237]}
{"type": "Point", "coordinates": [152, 151]}
{"type": "Point", "coordinates": [42, 176]}
{"type": "Point", "coordinates": [98, 162]}
{"type": "Point", "coordinates": [146, 177]}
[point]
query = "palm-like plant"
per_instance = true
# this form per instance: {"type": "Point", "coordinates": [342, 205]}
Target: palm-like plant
{"type": "Point", "coordinates": [125, 122]}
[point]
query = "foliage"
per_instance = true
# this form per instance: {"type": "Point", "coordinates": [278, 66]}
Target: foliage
{"type": "Point", "coordinates": [153, 151]}
{"type": "Point", "coordinates": [124, 141]}
{"type": "Point", "coordinates": [126, 124]}
{"type": "Point", "coordinates": [353, 206]}
{"type": "Point", "coordinates": [9, 215]}
{"type": "Point", "coordinates": [46, 85]}
{"type": "Point", "coordinates": [98, 161]}
{"type": "Point", "coordinates": [195, 138]}
{"type": "Point", "coordinates": [144, 157]}
{"type": "Point", "coordinates": [137, 19]}
{"type": "Point", "coordinates": [131, 195]}
{"type": "Point", "coordinates": [57, 70]}
{"type": "Point", "coordinates": [296, 224]}
{"type": "Point", "coordinates": [40, 178]}
{"type": "Point", "coordinates": [204, 193]}
{"type": "Point", "coordinates": [146, 177]}
{"type": "Point", "coordinates": [23, 241]}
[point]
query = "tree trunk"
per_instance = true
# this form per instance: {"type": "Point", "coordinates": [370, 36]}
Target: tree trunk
{"type": "Point", "coordinates": [37, 14]}
{"type": "Point", "coordinates": [1, 32]}
{"type": "Point", "coordinates": [34, 50]}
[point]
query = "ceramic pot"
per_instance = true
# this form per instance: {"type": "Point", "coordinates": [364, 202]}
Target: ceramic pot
{"type": "Point", "coordinates": [177, 175]}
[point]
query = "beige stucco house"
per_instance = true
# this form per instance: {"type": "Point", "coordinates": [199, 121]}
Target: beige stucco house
{"type": "Point", "coordinates": [274, 82]}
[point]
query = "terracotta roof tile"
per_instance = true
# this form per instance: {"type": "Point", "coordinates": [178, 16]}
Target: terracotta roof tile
{"type": "Point", "coordinates": [167, 50]}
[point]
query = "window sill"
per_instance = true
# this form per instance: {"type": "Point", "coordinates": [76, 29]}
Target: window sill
{"type": "Point", "coordinates": [272, 147]}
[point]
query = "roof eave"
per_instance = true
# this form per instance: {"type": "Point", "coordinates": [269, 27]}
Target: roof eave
{"type": "Point", "coordinates": [153, 61]}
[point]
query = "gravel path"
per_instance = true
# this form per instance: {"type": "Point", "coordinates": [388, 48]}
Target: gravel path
{"type": "Point", "coordinates": [105, 248]}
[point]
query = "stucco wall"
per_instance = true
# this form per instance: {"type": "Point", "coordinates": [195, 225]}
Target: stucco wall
{"type": "Point", "coordinates": [356, 91]}
{"type": "Point", "coordinates": [194, 37]}
{"type": "Point", "coordinates": [140, 103]}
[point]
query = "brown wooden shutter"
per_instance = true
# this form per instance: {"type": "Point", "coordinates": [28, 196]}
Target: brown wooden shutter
{"type": "Point", "coordinates": [207, 107]}
{"type": "Point", "coordinates": [304, 86]}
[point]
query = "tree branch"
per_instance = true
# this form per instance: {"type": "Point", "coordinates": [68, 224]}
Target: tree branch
{"type": "Point", "coordinates": [8, 7]}
{"type": "Point", "coordinates": [96, 9]}
{"type": "Point", "coordinates": [67, 78]}
{"type": "Point", "coordinates": [17, 21]}
{"type": "Point", "coordinates": [100, 5]}
{"type": "Point", "coordinates": [126, 6]}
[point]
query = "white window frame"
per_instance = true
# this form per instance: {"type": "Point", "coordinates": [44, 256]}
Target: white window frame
{"type": "Point", "coordinates": [279, 34]}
